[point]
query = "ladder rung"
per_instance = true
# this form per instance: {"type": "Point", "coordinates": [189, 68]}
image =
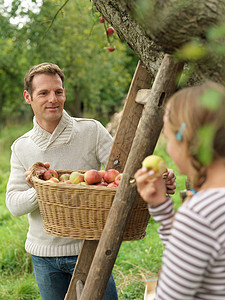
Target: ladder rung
{"type": "Point", "coordinates": [142, 96]}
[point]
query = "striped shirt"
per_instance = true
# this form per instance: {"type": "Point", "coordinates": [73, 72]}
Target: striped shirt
{"type": "Point", "coordinates": [194, 257]}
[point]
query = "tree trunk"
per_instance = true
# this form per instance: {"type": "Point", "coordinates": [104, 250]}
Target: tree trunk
{"type": "Point", "coordinates": [75, 107]}
{"type": "Point", "coordinates": [152, 28]}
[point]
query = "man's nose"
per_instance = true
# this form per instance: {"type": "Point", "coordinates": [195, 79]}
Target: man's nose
{"type": "Point", "coordinates": [52, 97]}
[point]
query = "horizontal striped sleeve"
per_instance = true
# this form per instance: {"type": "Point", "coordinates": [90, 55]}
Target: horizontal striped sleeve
{"type": "Point", "coordinates": [194, 258]}
{"type": "Point", "coordinates": [163, 214]}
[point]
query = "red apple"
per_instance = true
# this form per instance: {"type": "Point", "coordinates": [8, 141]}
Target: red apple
{"type": "Point", "coordinates": [53, 179]}
{"type": "Point", "coordinates": [102, 172]}
{"type": "Point", "coordinates": [101, 19]}
{"type": "Point", "coordinates": [110, 49]}
{"type": "Point", "coordinates": [101, 184]}
{"type": "Point", "coordinates": [50, 173]}
{"type": "Point", "coordinates": [110, 30]}
{"type": "Point", "coordinates": [67, 182]}
{"type": "Point", "coordinates": [92, 177]}
{"type": "Point", "coordinates": [118, 178]}
{"type": "Point", "coordinates": [64, 177]}
{"type": "Point", "coordinates": [112, 184]}
{"type": "Point", "coordinates": [76, 177]}
{"type": "Point", "coordinates": [110, 175]}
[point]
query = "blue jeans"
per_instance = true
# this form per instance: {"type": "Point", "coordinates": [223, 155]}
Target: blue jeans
{"type": "Point", "coordinates": [53, 275]}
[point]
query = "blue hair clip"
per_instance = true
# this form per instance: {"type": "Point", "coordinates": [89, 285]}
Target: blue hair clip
{"type": "Point", "coordinates": [179, 134]}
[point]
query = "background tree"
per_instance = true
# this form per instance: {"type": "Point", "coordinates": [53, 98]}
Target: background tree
{"type": "Point", "coordinates": [71, 36]}
{"type": "Point", "coordinates": [10, 69]}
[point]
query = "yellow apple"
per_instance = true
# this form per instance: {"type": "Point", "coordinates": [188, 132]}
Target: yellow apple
{"type": "Point", "coordinates": [156, 164]}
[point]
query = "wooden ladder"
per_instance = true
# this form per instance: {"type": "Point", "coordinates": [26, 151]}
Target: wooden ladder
{"type": "Point", "coordinates": [136, 137]}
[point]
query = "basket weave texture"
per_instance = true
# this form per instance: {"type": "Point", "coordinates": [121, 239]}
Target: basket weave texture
{"type": "Point", "coordinates": [80, 212]}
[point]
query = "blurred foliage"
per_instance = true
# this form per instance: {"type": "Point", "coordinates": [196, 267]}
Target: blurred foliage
{"type": "Point", "coordinates": [200, 50]}
{"type": "Point", "coordinates": [205, 136]}
{"type": "Point", "coordinates": [211, 100]}
{"type": "Point", "coordinates": [206, 99]}
{"type": "Point", "coordinates": [69, 34]}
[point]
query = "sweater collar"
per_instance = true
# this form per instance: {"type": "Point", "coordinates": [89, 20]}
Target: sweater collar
{"type": "Point", "coordinates": [61, 134]}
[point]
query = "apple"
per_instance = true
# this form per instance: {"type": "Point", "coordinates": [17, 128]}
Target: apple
{"type": "Point", "coordinates": [110, 30]}
{"type": "Point", "coordinates": [76, 177]}
{"type": "Point", "coordinates": [53, 179]}
{"type": "Point", "coordinates": [101, 19]}
{"type": "Point", "coordinates": [64, 177]}
{"type": "Point", "coordinates": [112, 184]}
{"type": "Point", "coordinates": [83, 183]}
{"type": "Point", "coordinates": [101, 184]}
{"type": "Point", "coordinates": [110, 175]}
{"type": "Point", "coordinates": [156, 164]}
{"type": "Point", "coordinates": [50, 173]}
{"type": "Point", "coordinates": [110, 49]}
{"type": "Point", "coordinates": [92, 177]}
{"type": "Point", "coordinates": [118, 178]}
{"type": "Point", "coordinates": [67, 182]}
{"type": "Point", "coordinates": [102, 172]}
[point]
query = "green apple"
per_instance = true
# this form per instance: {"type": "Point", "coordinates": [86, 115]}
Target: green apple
{"type": "Point", "coordinates": [76, 177]}
{"type": "Point", "coordinates": [64, 177]}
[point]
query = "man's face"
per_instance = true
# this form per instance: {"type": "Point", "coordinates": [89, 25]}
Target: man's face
{"type": "Point", "coordinates": [47, 101]}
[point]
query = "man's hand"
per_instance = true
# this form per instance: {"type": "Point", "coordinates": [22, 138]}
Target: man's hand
{"type": "Point", "coordinates": [39, 171]}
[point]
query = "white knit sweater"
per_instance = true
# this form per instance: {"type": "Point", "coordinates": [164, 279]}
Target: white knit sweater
{"type": "Point", "coordinates": [75, 144]}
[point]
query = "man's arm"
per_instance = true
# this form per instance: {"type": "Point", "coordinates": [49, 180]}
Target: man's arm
{"type": "Point", "coordinates": [20, 196]}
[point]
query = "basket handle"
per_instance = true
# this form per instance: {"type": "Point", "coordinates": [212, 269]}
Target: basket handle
{"type": "Point", "coordinates": [37, 170]}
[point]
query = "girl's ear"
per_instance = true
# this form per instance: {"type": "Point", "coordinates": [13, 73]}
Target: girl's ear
{"type": "Point", "coordinates": [27, 97]}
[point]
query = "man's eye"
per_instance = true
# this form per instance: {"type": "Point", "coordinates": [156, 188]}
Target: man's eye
{"type": "Point", "coordinates": [59, 92]}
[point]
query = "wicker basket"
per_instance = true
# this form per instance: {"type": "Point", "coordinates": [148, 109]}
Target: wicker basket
{"type": "Point", "coordinates": [80, 212]}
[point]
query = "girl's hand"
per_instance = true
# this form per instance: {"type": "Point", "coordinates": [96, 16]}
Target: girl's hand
{"type": "Point", "coordinates": [170, 182]}
{"type": "Point", "coordinates": [153, 191]}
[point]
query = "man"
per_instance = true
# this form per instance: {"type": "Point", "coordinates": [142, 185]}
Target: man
{"type": "Point", "coordinates": [66, 143]}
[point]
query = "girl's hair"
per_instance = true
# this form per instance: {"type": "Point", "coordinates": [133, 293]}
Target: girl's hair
{"type": "Point", "coordinates": [43, 68]}
{"type": "Point", "coordinates": [200, 112]}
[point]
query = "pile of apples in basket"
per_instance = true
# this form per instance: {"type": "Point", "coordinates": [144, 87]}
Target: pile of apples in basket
{"type": "Point", "coordinates": [109, 178]}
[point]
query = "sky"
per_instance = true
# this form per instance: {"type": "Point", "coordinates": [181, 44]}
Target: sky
{"type": "Point", "coordinates": [25, 5]}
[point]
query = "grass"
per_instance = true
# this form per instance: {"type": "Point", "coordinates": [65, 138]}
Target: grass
{"type": "Point", "coordinates": [136, 260]}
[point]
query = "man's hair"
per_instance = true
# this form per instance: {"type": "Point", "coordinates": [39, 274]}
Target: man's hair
{"type": "Point", "coordinates": [43, 68]}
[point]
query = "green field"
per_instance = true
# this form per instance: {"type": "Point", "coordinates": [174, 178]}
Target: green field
{"type": "Point", "coordinates": [136, 261]}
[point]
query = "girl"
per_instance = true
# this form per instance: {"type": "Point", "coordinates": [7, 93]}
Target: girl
{"type": "Point", "coordinates": [194, 257]}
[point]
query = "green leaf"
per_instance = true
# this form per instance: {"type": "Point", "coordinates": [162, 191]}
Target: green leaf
{"type": "Point", "coordinates": [205, 136]}
{"type": "Point", "coordinates": [211, 99]}
{"type": "Point", "coordinates": [191, 51]}
{"type": "Point", "coordinates": [216, 32]}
